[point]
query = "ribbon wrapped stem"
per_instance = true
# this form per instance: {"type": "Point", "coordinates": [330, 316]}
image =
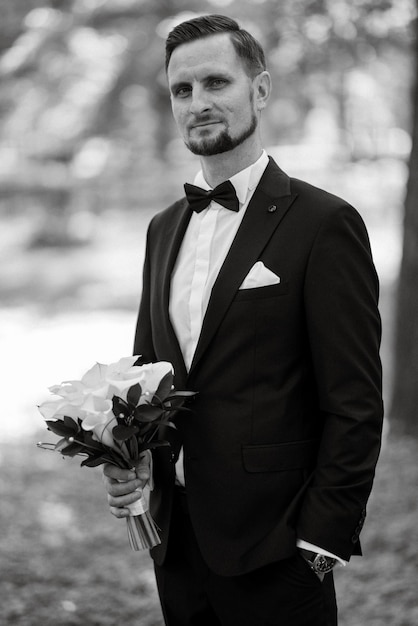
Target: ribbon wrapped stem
{"type": "Point", "coordinates": [142, 532]}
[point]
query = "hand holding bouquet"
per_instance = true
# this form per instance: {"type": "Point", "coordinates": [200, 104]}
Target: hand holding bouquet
{"type": "Point", "coordinates": [112, 415]}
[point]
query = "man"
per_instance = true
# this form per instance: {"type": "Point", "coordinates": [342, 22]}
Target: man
{"type": "Point", "coordinates": [269, 312]}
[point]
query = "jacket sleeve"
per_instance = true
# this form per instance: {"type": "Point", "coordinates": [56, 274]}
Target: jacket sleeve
{"type": "Point", "coordinates": [343, 321]}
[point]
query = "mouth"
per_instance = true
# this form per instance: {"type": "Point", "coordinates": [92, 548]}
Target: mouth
{"type": "Point", "coordinates": [205, 124]}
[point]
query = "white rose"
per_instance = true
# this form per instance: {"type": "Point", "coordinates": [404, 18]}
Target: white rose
{"type": "Point", "coordinates": [98, 417]}
{"type": "Point", "coordinates": [70, 390]}
{"type": "Point", "coordinates": [148, 376]}
{"type": "Point", "coordinates": [57, 409]}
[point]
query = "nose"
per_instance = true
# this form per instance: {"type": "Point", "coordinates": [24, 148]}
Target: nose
{"type": "Point", "coordinates": [200, 102]}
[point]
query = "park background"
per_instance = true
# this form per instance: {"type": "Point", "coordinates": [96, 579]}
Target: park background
{"type": "Point", "coordinates": [88, 153]}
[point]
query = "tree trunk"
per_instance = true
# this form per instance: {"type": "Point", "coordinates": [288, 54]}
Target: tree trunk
{"type": "Point", "coordinates": [404, 409]}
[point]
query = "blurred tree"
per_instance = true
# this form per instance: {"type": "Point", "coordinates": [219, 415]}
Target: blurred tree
{"type": "Point", "coordinates": [13, 14]}
{"type": "Point", "coordinates": [404, 409]}
{"type": "Point", "coordinates": [84, 102]}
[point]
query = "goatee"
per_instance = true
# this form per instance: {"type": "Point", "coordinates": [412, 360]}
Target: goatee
{"type": "Point", "coordinates": [223, 142]}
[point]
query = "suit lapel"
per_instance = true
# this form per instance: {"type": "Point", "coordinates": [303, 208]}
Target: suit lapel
{"type": "Point", "coordinates": [269, 204]}
{"type": "Point", "coordinates": [167, 337]}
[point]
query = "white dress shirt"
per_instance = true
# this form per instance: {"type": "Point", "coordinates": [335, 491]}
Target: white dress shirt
{"type": "Point", "coordinates": [206, 243]}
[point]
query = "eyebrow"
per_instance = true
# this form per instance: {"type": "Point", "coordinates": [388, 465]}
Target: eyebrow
{"type": "Point", "coordinates": [217, 75]}
{"type": "Point", "coordinates": [214, 76]}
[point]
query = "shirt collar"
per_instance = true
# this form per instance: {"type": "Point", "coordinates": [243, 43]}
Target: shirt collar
{"type": "Point", "coordinates": [244, 181]}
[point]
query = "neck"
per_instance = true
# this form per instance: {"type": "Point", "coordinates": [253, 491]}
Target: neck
{"type": "Point", "coordinates": [220, 167]}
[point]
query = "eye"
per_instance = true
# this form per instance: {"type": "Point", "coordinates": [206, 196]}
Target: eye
{"type": "Point", "coordinates": [182, 91]}
{"type": "Point", "coordinates": [218, 83]}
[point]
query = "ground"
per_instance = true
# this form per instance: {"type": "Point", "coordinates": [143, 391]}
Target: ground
{"type": "Point", "coordinates": [66, 560]}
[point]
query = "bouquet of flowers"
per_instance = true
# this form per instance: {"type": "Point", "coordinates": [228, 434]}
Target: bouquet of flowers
{"type": "Point", "coordinates": [113, 415]}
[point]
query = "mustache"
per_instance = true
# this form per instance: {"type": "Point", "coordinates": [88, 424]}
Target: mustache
{"type": "Point", "coordinates": [203, 119]}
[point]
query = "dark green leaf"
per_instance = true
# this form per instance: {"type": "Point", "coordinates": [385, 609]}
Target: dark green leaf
{"type": "Point", "coordinates": [133, 448]}
{"type": "Point", "coordinates": [153, 445]}
{"type": "Point", "coordinates": [181, 394]}
{"type": "Point", "coordinates": [72, 449]}
{"type": "Point", "coordinates": [59, 428]}
{"type": "Point", "coordinates": [134, 394]}
{"type": "Point", "coordinates": [122, 432]}
{"type": "Point", "coordinates": [148, 413]}
{"type": "Point", "coordinates": [175, 405]}
{"type": "Point", "coordinates": [89, 440]}
{"type": "Point", "coordinates": [110, 456]}
{"type": "Point", "coordinates": [70, 423]}
{"type": "Point", "coordinates": [120, 407]}
{"type": "Point", "coordinates": [145, 427]}
{"type": "Point", "coordinates": [94, 461]}
{"type": "Point", "coordinates": [61, 444]}
{"type": "Point", "coordinates": [164, 388]}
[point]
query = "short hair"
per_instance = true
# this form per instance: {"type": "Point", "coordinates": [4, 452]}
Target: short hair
{"type": "Point", "coordinates": [246, 46]}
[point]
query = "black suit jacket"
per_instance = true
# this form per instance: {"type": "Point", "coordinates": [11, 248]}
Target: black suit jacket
{"type": "Point", "coordinates": [285, 430]}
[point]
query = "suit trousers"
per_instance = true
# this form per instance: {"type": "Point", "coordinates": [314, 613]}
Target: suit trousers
{"type": "Point", "coordinates": [285, 593]}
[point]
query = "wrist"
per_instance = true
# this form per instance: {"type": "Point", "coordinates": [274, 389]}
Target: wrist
{"type": "Point", "coordinates": [319, 563]}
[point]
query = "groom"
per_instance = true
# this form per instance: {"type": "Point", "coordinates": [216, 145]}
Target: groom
{"type": "Point", "coordinates": [261, 291]}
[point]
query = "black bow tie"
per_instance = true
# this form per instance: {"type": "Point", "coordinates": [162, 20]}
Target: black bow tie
{"type": "Point", "coordinates": [223, 194]}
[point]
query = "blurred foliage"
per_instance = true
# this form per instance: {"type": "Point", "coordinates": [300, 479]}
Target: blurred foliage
{"type": "Point", "coordinates": [85, 114]}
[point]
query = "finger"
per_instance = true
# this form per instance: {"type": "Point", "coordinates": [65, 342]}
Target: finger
{"type": "Point", "coordinates": [116, 488]}
{"type": "Point", "coordinates": [143, 468]}
{"type": "Point", "coordinates": [143, 472]}
{"type": "Point", "coordinates": [121, 502]}
{"type": "Point", "coordinates": [117, 473]}
{"type": "Point", "coordinates": [119, 513]}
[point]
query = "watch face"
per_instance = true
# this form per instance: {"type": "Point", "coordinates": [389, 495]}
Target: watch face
{"type": "Point", "coordinates": [323, 564]}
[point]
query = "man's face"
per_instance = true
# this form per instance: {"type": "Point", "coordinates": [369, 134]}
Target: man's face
{"type": "Point", "coordinates": [212, 96]}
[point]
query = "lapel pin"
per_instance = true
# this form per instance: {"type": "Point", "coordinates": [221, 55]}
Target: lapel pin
{"type": "Point", "coordinates": [272, 208]}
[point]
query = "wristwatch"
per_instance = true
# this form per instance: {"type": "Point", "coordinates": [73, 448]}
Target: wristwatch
{"type": "Point", "coordinates": [320, 563]}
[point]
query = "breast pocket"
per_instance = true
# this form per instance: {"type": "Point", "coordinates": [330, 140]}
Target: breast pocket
{"type": "Point", "coordinates": [259, 293]}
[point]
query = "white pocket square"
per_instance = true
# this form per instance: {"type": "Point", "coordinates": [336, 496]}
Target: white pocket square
{"type": "Point", "coordinates": [260, 276]}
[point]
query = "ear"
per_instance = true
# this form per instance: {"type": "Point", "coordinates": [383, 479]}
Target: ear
{"type": "Point", "coordinates": [262, 89]}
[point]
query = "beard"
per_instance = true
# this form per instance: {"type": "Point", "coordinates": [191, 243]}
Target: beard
{"type": "Point", "coordinates": [224, 142]}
